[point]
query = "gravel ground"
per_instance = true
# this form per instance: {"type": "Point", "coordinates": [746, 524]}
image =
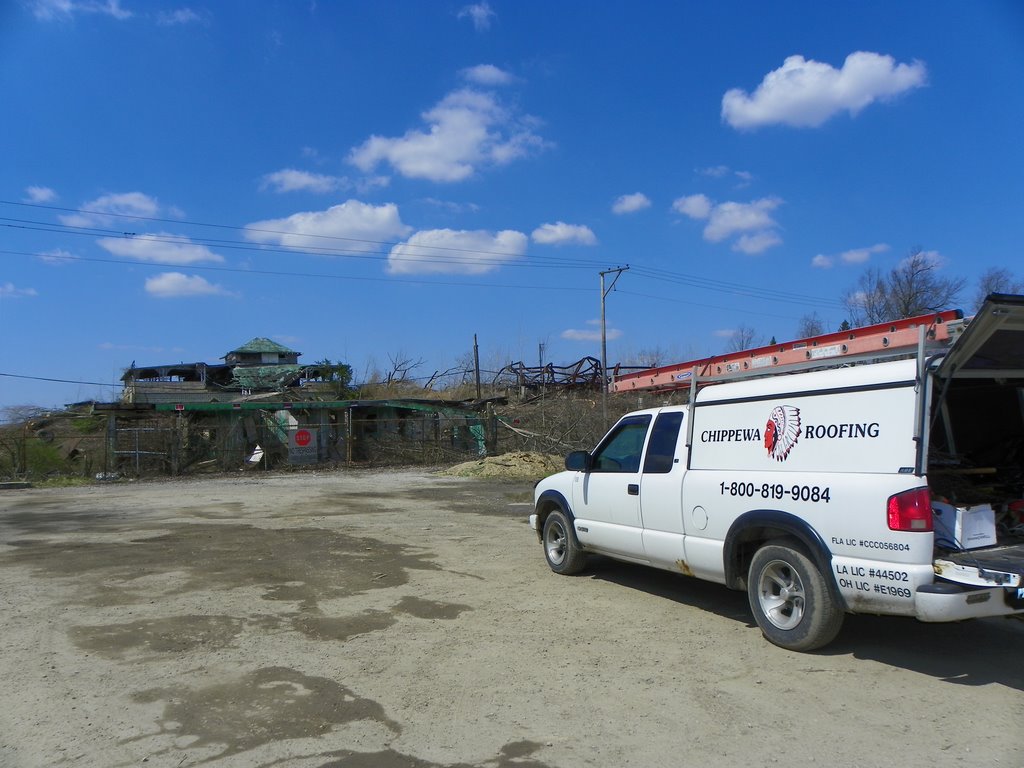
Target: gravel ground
{"type": "Point", "coordinates": [367, 619]}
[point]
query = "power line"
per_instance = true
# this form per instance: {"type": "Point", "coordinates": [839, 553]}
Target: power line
{"type": "Point", "coordinates": [92, 231]}
{"type": "Point", "coordinates": [724, 286]}
{"type": "Point", "coordinates": [687, 302]}
{"type": "Point", "coordinates": [498, 258]}
{"type": "Point", "coordinates": [283, 273]}
{"type": "Point", "coordinates": [59, 381]}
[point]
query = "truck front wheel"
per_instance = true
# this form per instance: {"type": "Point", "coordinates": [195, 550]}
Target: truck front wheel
{"type": "Point", "coordinates": [790, 598]}
{"type": "Point", "coordinates": [561, 549]}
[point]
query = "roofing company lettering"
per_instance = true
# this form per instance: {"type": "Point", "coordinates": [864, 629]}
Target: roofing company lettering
{"type": "Point", "coordinates": [785, 428]}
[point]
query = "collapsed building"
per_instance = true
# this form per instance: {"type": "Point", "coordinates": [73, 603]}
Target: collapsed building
{"type": "Point", "coordinates": [262, 407]}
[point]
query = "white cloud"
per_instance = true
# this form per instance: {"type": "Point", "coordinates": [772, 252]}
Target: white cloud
{"type": "Point", "coordinates": [159, 247]}
{"type": "Point", "coordinates": [291, 180]}
{"type": "Point", "coordinates": [451, 206]}
{"type": "Point", "coordinates": [176, 17]}
{"type": "Point", "coordinates": [722, 171]}
{"type": "Point", "coordinates": [47, 10]}
{"type": "Point", "coordinates": [715, 171]}
{"type": "Point", "coordinates": [467, 130]}
{"type": "Point", "coordinates": [487, 75]}
{"type": "Point", "coordinates": [724, 333]}
{"type": "Point", "coordinates": [852, 256]}
{"type": "Point", "coordinates": [446, 251]}
{"type": "Point", "coordinates": [861, 255]}
{"type": "Point", "coordinates": [694, 206]}
{"type": "Point", "coordinates": [350, 226]}
{"type": "Point", "coordinates": [480, 13]}
{"type": "Point", "coordinates": [631, 203]}
{"type": "Point", "coordinates": [57, 256]}
{"type": "Point", "coordinates": [592, 334]}
{"type": "Point", "coordinates": [759, 242]}
{"type": "Point", "coordinates": [561, 233]}
{"type": "Point", "coordinates": [728, 219]}
{"type": "Point", "coordinates": [750, 223]}
{"type": "Point", "coordinates": [104, 209]}
{"type": "Point", "coordinates": [805, 93]}
{"type": "Point", "coordinates": [169, 285]}
{"type": "Point", "coordinates": [10, 291]}
{"type": "Point", "coordinates": [39, 195]}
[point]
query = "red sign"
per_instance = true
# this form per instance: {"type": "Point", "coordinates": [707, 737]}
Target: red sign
{"type": "Point", "coordinates": [302, 438]}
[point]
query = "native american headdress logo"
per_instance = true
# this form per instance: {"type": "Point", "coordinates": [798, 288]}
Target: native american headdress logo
{"type": "Point", "coordinates": [782, 431]}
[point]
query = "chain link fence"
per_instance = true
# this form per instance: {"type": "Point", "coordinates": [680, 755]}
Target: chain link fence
{"type": "Point", "coordinates": [166, 443]}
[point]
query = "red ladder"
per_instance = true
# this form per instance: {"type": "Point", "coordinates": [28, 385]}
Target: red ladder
{"type": "Point", "coordinates": [873, 341]}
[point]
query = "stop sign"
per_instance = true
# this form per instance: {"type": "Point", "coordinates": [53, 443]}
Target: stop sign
{"type": "Point", "coordinates": [302, 438]}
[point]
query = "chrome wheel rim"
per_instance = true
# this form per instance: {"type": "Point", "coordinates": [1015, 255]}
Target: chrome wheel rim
{"type": "Point", "coordinates": [781, 594]}
{"type": "Point", "coordinates": [555, 542]}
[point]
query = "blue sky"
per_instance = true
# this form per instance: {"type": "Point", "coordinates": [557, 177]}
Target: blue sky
{"type": "Point", "coordinates": [370, 181]}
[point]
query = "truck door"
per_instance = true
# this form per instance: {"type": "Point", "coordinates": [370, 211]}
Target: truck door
{"type": "Point", "coordinates": [606, 499]}
{"type": "Point", "coordinates": [661, 492]}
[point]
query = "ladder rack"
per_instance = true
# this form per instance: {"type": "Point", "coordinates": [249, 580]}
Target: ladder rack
{"type": "Point", "coordinates": [882, 341]}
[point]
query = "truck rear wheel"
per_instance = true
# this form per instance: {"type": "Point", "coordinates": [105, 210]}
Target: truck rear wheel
{"type": "Point", "coordinates": [790, 598]}
{"type": "Point", "coordinates": [561, 549]}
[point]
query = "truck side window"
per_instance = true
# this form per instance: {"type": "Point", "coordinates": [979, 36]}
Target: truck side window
{"type": "Point", "coordinates": [622, 449]}
{"type": "Point", "coordinates": [661, 450]}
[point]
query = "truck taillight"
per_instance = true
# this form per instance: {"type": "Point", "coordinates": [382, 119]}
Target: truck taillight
{"type": "Point", "coordinates": [911, 511]}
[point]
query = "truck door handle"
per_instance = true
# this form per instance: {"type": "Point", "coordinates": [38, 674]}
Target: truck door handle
{"type": "Point", "coordinates": [633, 489]}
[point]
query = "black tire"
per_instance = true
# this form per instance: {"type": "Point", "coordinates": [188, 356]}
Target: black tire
{"type": "Point", "coordinates": [790, 598]}
{"type": "Point", "coordinates": [561, 550]}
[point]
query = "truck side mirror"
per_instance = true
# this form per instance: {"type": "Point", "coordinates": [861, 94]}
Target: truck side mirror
{"type": "Point", "coordinates": [578, 461]}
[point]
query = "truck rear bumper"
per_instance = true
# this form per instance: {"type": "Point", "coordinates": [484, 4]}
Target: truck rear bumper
{"type": "Point", "coordinates": [942, 601]}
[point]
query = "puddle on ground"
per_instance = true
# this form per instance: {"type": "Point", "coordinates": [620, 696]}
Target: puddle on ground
{"type": "Point", "coordinates": [217, 509]}
{"type": "Point", "coordinates": [516, 754]}
{"type": "Point", "coordinates": [266, 706]}
{"type": "Point", "coordinates": [303, 565]}
{"type": "Point", "coordinates": [175, 634]}
{"type": "Point", "coordinates": [342, 627]}
{"type": "Point", "coordinates": [492, 498]}
{"type": "Point", "coordinates": [430, 609]}
{"type": "Point", "coordinates": [48, 515]}
{"type": "Point", "coordinates": [345, 627]}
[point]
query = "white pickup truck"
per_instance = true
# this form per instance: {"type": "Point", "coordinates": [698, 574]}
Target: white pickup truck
{"type": "Point", "coordinates": [890, 487]}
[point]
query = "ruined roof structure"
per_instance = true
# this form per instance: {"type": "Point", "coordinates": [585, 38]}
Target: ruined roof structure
{"type": "Point", "coordinates": [259, 365]}
{"type": "Point", "coordinates": [262, 351]}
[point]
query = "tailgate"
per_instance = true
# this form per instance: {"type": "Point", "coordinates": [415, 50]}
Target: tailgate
{"type": "Point", "coordinates": [1000, 566]}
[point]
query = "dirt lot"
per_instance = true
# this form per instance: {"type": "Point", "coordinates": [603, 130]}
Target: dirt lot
{"type": "Point", "coordinates": [382, 619]}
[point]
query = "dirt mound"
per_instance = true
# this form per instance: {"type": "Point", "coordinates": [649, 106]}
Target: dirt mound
{"type": "Point", "coordinates": [517, 464]}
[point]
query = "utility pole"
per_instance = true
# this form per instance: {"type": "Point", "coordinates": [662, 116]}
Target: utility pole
{"type": "Point", "coordinates": [476, 367]}
{"type": "Point", "coordinates": [604, 339]}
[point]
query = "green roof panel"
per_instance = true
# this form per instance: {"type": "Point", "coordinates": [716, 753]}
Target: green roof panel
{"type": "Point", "coordinates": [261, 344]}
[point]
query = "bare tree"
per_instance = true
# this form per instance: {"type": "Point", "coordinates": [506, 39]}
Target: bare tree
{"type": "Point", "coordinates": [744, 337]}
{"type": "Point", "coordinates": [651, 357]}
{"type": "Point", "coordinates": [401, 368]}
{"type": "Point", "coordinates": [913, 287]}
{"type": "Point", "coordinates": [996, 280]}
{"type": "Point", "coordinates": [810, 325]}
